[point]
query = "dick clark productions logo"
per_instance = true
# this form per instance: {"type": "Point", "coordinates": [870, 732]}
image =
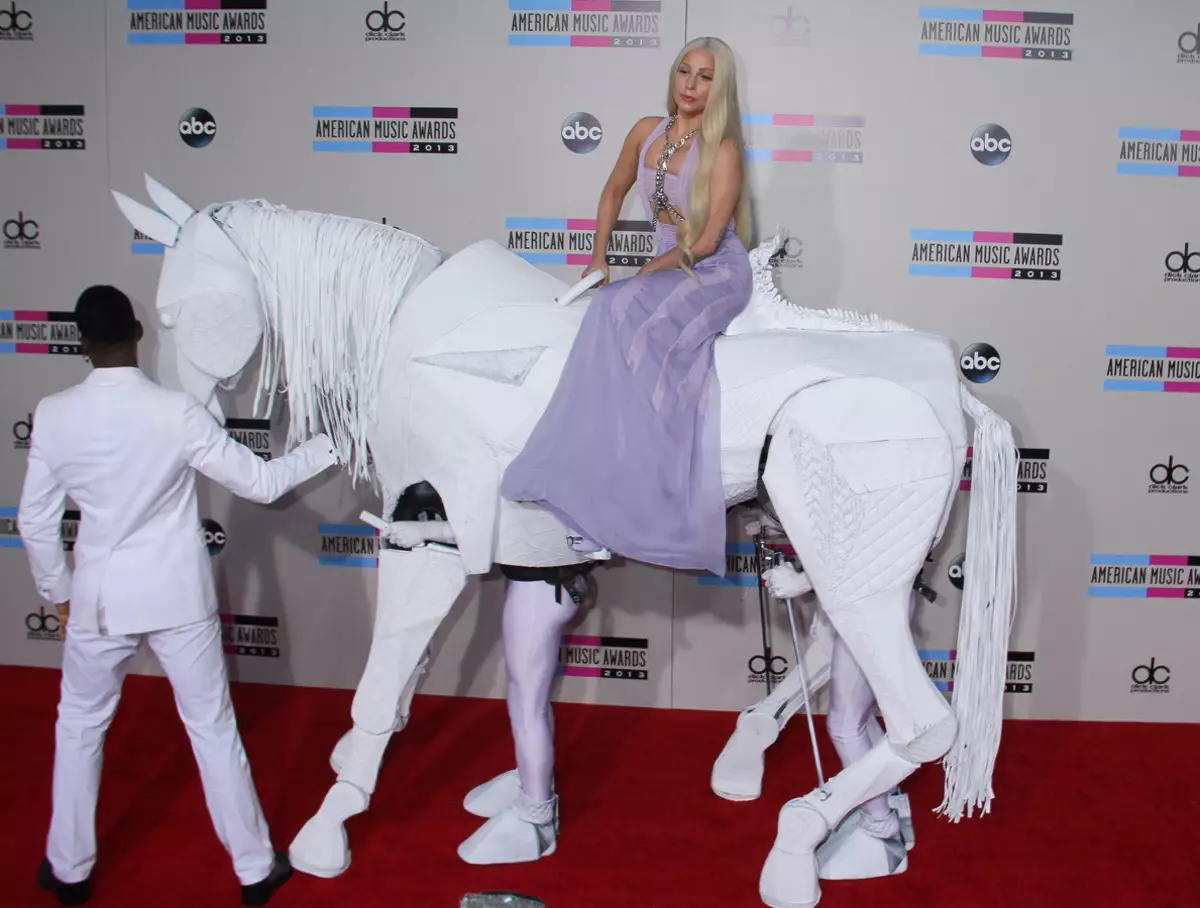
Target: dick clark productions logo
{"type": "Point", "coordinates": [197, 127]}
{"type": "Point", "coordinates": [581, 132]}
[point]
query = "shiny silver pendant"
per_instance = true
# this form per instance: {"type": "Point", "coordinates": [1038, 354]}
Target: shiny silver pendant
{"type": "Point", "coordinates": [495, 899]}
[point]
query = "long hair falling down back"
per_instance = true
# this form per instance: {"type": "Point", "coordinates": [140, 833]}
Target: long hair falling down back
{"type": "Point", "coordinates": [722, 119]}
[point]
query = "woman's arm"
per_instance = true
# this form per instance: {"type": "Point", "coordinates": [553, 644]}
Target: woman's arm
{"type": "Point", "coordinates": [620, 181]}
{"type": "Point", "coordinates": [724, 186]}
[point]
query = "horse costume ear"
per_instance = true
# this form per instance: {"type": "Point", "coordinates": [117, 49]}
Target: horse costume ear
{"type": "Point", "coordinates": [148, 221]}
{"type": "Point", "coordinates": [168, 203]}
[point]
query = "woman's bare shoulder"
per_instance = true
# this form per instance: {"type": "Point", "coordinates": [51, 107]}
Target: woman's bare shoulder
{"type": "Point", "coordinates": [644, 127]}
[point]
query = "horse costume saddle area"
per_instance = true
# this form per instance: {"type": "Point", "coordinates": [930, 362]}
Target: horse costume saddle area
{"type": "Point", "coordinates": [486, 327]}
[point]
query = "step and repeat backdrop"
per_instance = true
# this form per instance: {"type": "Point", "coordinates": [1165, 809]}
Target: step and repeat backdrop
{"type": "Point", "coordinates": [1025, 182]}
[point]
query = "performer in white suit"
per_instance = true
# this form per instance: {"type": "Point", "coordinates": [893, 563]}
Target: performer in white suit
{"type": "Point", "coordinates": [126, 451]}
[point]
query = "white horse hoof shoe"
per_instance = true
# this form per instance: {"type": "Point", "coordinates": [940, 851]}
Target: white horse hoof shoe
{"type": "Point", "coordinates": [507, 839]}
{"type": "Point", "coordinates": [322, 848]}
{"type": "Point", "coordinates": [737, 775]}
{"type": "Point", "coordinates": [852, 853]}
{"type": "Point", "coordinates": [790, 876]}
{"type": "Point", "coordinates": [493, 796]}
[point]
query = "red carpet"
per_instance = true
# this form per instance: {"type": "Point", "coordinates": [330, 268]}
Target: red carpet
{"type": "Point", "coordinates": [1087, 814]}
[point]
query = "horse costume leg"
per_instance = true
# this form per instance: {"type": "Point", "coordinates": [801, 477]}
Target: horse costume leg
{"type": "Point", "coordinates": [850, 456]}
{"type": "Point", "coordinates": [527, 828]}
{"type": "Point", "coordinates": [871, 841]}
{"type": "Point", "coordinates": [416, 590]}
{"type": "Point", "coordinates": [738, 771]}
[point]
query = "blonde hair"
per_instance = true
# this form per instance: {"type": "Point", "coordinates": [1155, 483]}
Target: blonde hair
{"type": "Point", "coordinates": [722, 119]}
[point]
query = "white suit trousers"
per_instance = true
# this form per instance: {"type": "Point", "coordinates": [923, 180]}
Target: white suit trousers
{"type": "Point", "coordinates": [93, 669]}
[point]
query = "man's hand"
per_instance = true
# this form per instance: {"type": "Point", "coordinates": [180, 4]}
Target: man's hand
{"type": "Point", "coordinates": [784, 582]}
{"type": "Point", "coordinates": [64, 615]}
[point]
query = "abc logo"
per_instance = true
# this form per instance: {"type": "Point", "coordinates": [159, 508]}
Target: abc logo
{"type": "Point", "coordinates": [197, 127]}
{"type": "Point", "coordinates": [581, 132]}
{"type": "Point", "coordinates": [1182, 261]}
{"type": "Point", "coordinates": [979, 363]}
{"type": "Point", "coordinates": [214, 536]}
{"type": "Point", "coordinates": [991, 144]}
{"type": "Point", "coordinates": [957, 572]}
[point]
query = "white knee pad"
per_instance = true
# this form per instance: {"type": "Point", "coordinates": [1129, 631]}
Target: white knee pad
{"type": "Point", "coordinates": [932, 743]}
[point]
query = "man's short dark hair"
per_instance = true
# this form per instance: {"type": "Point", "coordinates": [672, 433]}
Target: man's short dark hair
{"type": "Point", "coordinates": [105, 316]}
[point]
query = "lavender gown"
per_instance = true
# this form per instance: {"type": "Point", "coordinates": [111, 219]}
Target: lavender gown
{"type": "Point", "coordinates": [627, 452]}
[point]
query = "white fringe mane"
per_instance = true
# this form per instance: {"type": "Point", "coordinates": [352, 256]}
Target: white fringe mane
{"type": "Point", "coordinates": [769, 306]}
{"type": "Point", "coordinates": [329, 287]}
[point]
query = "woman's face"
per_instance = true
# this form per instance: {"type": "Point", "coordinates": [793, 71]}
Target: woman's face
{"type": "Point", "coordinates": [693, 79]}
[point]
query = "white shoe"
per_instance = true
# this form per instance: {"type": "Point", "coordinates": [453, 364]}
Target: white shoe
{"type": "Point", "coordinates": [519, 834]}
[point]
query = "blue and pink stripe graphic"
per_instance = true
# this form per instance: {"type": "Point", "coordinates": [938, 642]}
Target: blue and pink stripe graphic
{"type": "Point", "coordinates": [347, 529]}
{"type": "Point", "coordinates": [10, 542]}
{"type": "Point", "coordinates": [565, 39]}
{"type": "Point", "coordinates": [190, 6]}
{"type": "Point", "coordinates": [1010, 51]}
{"type": "Point", "coordinates": [1138, 351]}
{"type": "Point", "coordinates": [940, 655]}
{"type": "Point", "coordinates": [976, 236]}
{"type": "Point", "coordinates": [817, 151]}
{"type": "Point", "coordinates": [1012, 686]}
{"type": "Point", "coordinates": [566, 225]}
{"type": "Point", "coordinates": [366, 112]}
{"type": "Point", "coordinates": [1150, 168]}
{"type": "Point", "coordinates": [744, 573]}
{"type": "Point", "coordinates": [1147, 590]}
{"type": "Point", "coordinates": [30, 316]}
{"type": "Point", "coordinates": [10, 539]}
{"type": "Point", "coordinates": [17, 143]}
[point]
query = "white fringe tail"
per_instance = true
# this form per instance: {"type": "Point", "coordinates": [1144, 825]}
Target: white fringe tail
{"type": "Point", "coordinates": [988, 610]}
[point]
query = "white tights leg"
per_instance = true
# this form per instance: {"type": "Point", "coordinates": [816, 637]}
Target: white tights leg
{"type": "Point", "coordinates": [533, 624]}
{"type": "Point", "coordinates": [851, 720]}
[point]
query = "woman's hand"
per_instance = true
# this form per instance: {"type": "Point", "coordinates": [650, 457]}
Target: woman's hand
{"type": "Point", "coordinates": [598, 264]}
{"type": "Point", "coordinates": [661, 262]}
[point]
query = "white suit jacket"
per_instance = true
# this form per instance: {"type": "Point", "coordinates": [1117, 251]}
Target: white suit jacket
{"type": "Point", "coordinates": [127, 450]}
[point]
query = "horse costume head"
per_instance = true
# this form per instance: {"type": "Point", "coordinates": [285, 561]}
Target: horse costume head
{"type": "Point", "coordinates": [317, 290]}
{"type": "Point", "coordinates": [207, 293]}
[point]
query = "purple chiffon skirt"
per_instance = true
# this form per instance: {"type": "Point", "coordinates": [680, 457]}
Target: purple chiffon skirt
{"type": "Point", "coordinates": [628, 450]}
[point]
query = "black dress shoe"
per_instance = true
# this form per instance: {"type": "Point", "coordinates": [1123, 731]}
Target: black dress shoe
{"type": "Point", "coordinates": [260, 893]}
{"type": "Point", "coordinates": [68, 893]}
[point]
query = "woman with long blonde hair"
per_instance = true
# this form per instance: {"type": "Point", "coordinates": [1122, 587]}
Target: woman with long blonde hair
{"type": "Point", "coordinates": [627, 453]}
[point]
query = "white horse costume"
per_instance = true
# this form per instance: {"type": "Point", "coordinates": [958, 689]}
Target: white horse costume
{"type": "Point", "coordinates": [441, 367]}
